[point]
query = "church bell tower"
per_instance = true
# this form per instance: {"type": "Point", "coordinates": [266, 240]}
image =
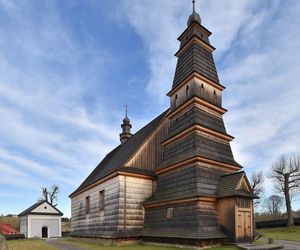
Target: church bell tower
{"type": "Point", "coordinates": [196, 152]}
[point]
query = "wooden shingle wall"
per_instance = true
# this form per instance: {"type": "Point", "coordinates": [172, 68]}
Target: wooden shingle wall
{"type": "Point", "coordinates": [196, 220]}
{"type": "Point", "coordinates": [97, 222]}
{"type": "Point", "coordinates": [197, 145]}
{"type": "Point", "coordinates": [133, 192]}
{"type": "Point", "coordinates": [123, 213]}
{"type": "Point", "coordinates": [196, 116]}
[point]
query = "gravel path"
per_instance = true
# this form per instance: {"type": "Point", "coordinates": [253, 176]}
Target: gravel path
{"type": "Point", "coordinates": [289, 245]}
{"type": "Point", "coordinates": [62, 245]}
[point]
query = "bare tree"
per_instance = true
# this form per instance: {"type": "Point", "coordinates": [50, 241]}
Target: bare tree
{"type": "Point", "coordinates": [51, 194]}
{"type": "Point", "coordinates": [45, 193]}
{"type": "Point", "coordinates": [274, 205]}
{"type": "Point", "coordinates": [285, 173]}
{"type": "Point", "coordinates": [257, 180]}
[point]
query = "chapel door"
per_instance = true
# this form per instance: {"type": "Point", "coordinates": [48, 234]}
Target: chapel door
{"type": "Point", "coordinates": [44, 232]}
{"type": "Point", "coordinates": [244, 225]}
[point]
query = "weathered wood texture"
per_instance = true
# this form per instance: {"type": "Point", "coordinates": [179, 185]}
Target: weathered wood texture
{"type": "Point", "coordinates": [195, 59]}
{"type": "Point", "coordinates": [243, 186]}
{"type": "Point", "coordinates": [195, 220]}
{"type": "Point", "coordinates": [133, 192]}
{"type": "Point", "coordinates": [244, 224]}
{"type": "Point", "coordinates": [197, 145]}
{"type": "Point", "coordinates": [97, 222]}
{"type": "Point", "coordinates": [123, 213]}
{"type": "Point", "coordinates": [188, 181]}
{"type": "Point", "coordinates": [226, 217]}
{"type": "Point", "coordinates": [196, 87]}
{"type": "Point", "coordinates": [149, 155]}
{"type": "Point", "coordinates": [197, 116]}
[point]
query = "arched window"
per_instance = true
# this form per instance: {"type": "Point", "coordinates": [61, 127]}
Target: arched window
{"type": "Point", "coordinates": [215, 92]}
{"type": "Point", "coordinates": [202, 86]}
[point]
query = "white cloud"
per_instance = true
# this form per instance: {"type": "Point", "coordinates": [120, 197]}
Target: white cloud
{"type": "Point", "coordinates": [258, 63]}
{"type": "Point", "coordinates": [46, 130]}
{"type": "Point", "coordinates": [48, 125]}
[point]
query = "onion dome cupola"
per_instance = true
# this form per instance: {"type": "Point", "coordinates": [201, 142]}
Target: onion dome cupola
{"type": "Point", "coordinates": [194, 17]}
{"type": "Point", "coordinates": [126, 126]}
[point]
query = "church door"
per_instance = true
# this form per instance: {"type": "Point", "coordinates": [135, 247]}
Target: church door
{"type": "Point", "coordinates": [44, 232]}
{"type": "Point", "coordinates": [244, 225]}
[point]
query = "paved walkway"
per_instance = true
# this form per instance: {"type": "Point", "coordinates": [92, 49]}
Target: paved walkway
{"type": "Point", "coordinates": [62, 245]}
{"type": "Point", "coordinates": [289, 245]}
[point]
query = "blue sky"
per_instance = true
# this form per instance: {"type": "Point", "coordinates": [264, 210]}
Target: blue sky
{"type": "Point", "coordinates": [68, 68]}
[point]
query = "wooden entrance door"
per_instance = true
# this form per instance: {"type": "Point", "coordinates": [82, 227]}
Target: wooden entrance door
{"type": "Point", "coordinates": [45, 232]}
{"type": "Point", "coordinates": [244, 225]}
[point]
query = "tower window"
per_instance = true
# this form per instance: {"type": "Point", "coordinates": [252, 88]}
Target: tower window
{"type": "Point", "coordinates": [187, 92]}
{"type": "Point", "coordinates": [202, 86]}
{"type": "Point", "coordinates": [176, 99]}
{"type": "Point", "coordinates": [87, 204]}
{"type": "Point", "coordinates": [215, 92]}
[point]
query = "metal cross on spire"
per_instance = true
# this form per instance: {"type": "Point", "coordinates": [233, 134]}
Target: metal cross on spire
{"type": "Point", "coordinates": [193, 5]}
{"type": "Point", "coordinates": [126, 108]}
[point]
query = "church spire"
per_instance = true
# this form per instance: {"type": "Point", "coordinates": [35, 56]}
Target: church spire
{"type": "Point", "coordinates": [126, 126]}
{"type": "Point", "coordinates": [194, 17]}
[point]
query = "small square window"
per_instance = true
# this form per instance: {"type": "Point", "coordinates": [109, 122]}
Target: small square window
{"type": "Point", "coordinates": [169, 213]}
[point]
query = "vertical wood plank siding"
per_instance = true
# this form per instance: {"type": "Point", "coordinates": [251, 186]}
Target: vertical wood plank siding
{"type": "Point", "coordinates": [226, 217]}
{"type": "Point", "coordinates": [149, 155]}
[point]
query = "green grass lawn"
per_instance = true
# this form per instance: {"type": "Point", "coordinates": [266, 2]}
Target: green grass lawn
{"type": "Point", "coordinates": [282, 233]}
{"type": "Point", "coordinates": [28, 244]}
{"type": "Point", "coordinates": [97, 245]}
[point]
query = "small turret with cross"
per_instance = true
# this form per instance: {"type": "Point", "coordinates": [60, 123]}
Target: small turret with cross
{"type": "Point", "coordinates": [126, 126]}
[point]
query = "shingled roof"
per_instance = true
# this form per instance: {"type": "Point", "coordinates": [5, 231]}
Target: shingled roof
{"type": "Point", "coordinates": [118, 156]}
{"type": "Point", "coordinates": [228, 185]}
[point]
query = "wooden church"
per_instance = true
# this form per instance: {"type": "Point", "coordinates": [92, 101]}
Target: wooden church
{"type": "Point", "coordinates": [175, 180]}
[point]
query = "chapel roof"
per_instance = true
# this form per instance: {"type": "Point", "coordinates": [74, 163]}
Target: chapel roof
{"type": "Point", "coordinates": [116, 159]}
{"type": "Point", "coordinates": [31, 208]}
